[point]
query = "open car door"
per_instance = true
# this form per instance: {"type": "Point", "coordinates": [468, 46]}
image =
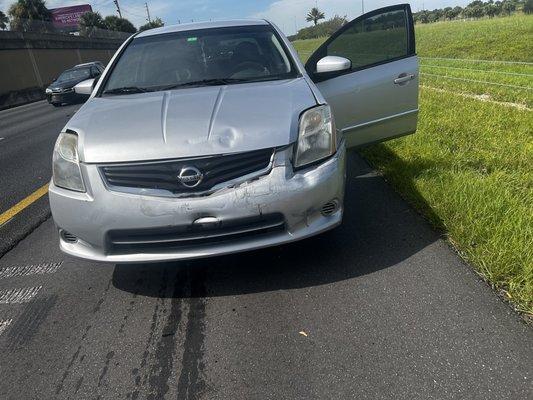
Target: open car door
{"type": "Point", "coordinates": [368, 73]}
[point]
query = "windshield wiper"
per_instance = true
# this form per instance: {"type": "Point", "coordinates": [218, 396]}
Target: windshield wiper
{"type": "Point", "coordinates": [204, 82]}
{"type": "Point", "coordinates": [126, 90]}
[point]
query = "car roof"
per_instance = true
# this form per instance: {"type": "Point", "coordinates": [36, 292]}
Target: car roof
{"type": "Point", "coordinates": [202, 25]}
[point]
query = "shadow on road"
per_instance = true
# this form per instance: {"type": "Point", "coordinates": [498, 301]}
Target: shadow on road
{"type": "Point", "coordinates": [379, 231]}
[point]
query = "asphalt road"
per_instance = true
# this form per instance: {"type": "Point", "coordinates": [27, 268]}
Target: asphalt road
{"type": "Point", "coordinates": [27, 137]}
{"type": "Point", "coordinates": [379, 308]}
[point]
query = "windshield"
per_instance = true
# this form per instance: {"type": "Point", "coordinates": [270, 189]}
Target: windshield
{"type": "Point", "coordinates": [200, 57]}
{"type": "Point", "coordinates": [74, 74]}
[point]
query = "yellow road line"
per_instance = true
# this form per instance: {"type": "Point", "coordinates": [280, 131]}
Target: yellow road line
{"type": "Point", "coordinates": [21, 205]}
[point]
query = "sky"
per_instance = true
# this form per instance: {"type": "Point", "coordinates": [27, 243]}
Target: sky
{"type": "Point", "coordinates": [289, 15]}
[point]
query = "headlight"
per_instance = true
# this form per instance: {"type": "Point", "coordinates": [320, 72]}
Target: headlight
{"type": "Point", "coordinates": [48, 91]}
{"type": "Point", "coordinates": [316, 136]}
{"type": "Point", "coordinates": [66, 166]}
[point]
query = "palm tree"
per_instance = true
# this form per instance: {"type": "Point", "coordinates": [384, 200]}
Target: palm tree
{"type": "Point", "coordinates": [3, 20]}
{"type": "Point", "coordinates": [314, 15]}
{"type": "Point", "coordinates": [30, 15]}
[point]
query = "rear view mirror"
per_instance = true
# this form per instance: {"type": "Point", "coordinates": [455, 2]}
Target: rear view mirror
{"type": "Point", "coordinates": [332, 64]}
{"type": "Point", "coordinates": [85, 87]}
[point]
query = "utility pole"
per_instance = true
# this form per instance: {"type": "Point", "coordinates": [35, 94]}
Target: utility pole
{"type": "Point", "coordinates": [118, 8]}
{"type": "Point", "coordinates": [147, 12]}
{"type": "Point", "coordinates": [362, 6]}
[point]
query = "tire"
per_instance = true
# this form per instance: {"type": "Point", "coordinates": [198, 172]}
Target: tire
{"type": "Point", "coordinates": [56, 104]}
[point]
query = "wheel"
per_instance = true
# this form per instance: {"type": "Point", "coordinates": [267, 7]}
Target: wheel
{"type": "Point", "coordinates": [56, 104]}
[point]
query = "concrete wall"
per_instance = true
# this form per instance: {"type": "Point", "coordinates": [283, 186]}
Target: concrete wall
{"type": "Point", "coordinates": [30, 61]}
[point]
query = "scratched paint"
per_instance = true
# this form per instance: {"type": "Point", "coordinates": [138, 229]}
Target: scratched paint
{"type": "Point", "coordinates": [34, 269]}
{"type": "Point", "coordinates": [21, 295]}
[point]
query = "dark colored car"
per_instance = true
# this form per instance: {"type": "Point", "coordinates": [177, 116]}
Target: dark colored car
{"type": "Point", "coordinates": [61, 90]}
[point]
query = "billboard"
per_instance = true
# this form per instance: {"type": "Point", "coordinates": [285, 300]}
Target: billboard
{"type": "Point", "coordinates": [68, 17]}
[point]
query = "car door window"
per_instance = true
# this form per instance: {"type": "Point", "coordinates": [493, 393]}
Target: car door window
{"type": "Point", "coordinates": [375, 38]}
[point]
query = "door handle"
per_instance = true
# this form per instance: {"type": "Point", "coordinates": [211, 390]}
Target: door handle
{"type": "Point", "coordinates": [404, 78]}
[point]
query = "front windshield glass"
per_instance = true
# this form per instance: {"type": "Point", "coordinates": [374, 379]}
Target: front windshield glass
{"type": "Point", "coordinates": [200, 57]}
{"type": "Point", "coordinates": [74, 74]}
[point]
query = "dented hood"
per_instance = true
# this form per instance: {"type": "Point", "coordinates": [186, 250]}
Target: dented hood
{"type": "Point", "coordinates": [190, 122]}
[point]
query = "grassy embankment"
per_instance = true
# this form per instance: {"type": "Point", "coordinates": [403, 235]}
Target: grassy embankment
{"type": "Point", "coordinates": [469, 167]}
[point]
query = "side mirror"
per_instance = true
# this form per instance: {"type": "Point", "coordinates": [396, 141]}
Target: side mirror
{"type": "Point", "coordinates": [332, 64]}
{"type": "Point", "coordinates": [85, 87]}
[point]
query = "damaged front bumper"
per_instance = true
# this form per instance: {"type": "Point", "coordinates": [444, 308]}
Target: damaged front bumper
{"type": "Point", "coordinates": [304, 203]}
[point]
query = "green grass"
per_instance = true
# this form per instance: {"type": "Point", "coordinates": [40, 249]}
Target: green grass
{"type": "Point", "coordinates": [468, 168]}
{"type": "Point", "coordinates": [306, 47]}
{"type": "Point", "coordinates": [509, 38]}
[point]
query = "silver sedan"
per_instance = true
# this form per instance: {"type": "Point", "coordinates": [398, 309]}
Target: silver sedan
{"type": "Point", "coordinates": [213, 138]}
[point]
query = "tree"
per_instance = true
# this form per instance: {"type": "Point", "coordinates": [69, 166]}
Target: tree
{"type": "Point", "coordinates": [448, 13]}
{"type": "Point", "coordinates": [30, 15]}
{"type": "Point", "coordinates": [491, 9]}
{"type": "Point", "coordinates": [457, 10]}
{"type": "Point", "coordinates": [114, 23]}
{"type": "Point", "coordinates": [528, 7]}
{"type": "Point", "coordinates": [3, 21]}
{"type": "Point", "coordinates": [155, 23]}
{"type": "Point", "coordinates": [508, 7]}
{"type": "Point", "coordinates": [433, 16]}
{"type": "Point", "coordinates": [474, 9]}
{"type": "Point", "coordinates": [89, 21]}
{"type": "Point", "coordinates": [422, 17]}
{"type": "Point", "coordinates": [315, 15]}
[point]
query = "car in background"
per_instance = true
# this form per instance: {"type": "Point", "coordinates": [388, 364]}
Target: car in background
{"type": "Point", "coordinates": [61, 90]}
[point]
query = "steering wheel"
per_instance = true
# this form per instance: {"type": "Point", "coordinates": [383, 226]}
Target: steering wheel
{"type": "Point", "coordinates": [248, 65]}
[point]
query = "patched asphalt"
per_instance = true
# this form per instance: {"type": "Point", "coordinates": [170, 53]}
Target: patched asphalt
{"type": "Point", "coordinates": [379, 308]}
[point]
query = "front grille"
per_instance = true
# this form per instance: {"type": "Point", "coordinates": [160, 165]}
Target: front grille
{"type": "Point", "coordinates": [163, 175]}
{"type": "Point", "coordinates": [190, 236]}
